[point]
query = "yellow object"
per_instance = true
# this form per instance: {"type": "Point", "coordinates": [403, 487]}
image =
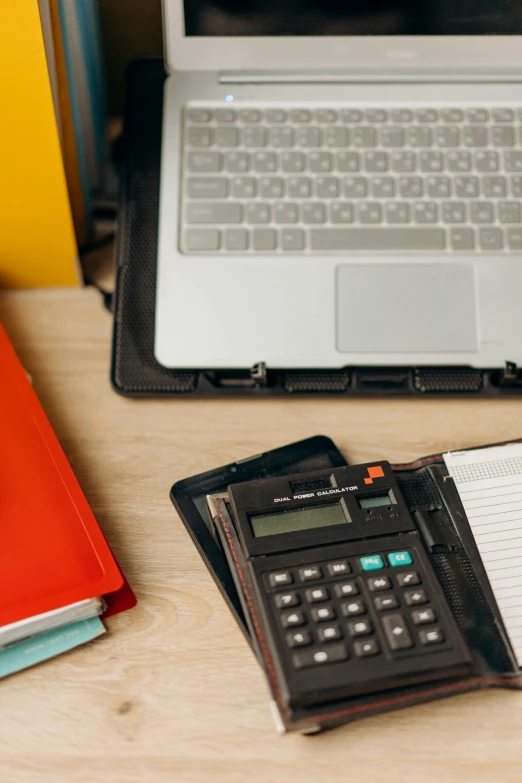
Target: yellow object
{"type": "Point", "coordinates": [37, 243]}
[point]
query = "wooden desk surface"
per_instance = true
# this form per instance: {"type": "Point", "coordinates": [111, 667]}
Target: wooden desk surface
{"type": "Point", "coordinates": [172, 694]}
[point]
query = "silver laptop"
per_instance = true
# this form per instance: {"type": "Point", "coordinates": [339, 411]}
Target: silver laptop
{"type": "Point", "coordinates": [341, 184]}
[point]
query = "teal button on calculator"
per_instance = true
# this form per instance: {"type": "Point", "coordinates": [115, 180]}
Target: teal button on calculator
{"type": "Point", "coordinates": [400, 559]}
{"type": "Point", "coordinates": [371, 562]}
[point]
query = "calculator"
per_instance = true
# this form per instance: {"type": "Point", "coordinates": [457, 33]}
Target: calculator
{"type": "Point", "coordinates": [338, 586]}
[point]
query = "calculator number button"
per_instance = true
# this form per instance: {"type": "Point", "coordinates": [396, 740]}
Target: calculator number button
{"type": "Point", "coordinates": [359, 628]}
{"type": "Point", "coordinates": [282, 600]}
{"type": "Point", "coordinates": [379, 583]}
{"type": "Point", "coordinates": [396, 559]}
{"type": "Point", "coordinates": [414, 597]}
{"type": "Point", "coordinates": [316, 594]}
{"type": "Point", "coordinates": [423, 616]}
{"type": "Point", "coordinates": [408, 578]}
{"type": "Point", "coordinates": [329, 633]}
{"type": "Point", "coordinates": [371, 562]}
{"type": "Point", "coordinates": [352, 608]}
{"type": "Point", "coordinates": [396, 630]}
{"type": "Point", "coordinates": [367, 648]}
{"type": "Point", "coordinates": [299, 639]}
{"type": "Point", "coordinates": [310, 572]}
{"type": "Point", "coordinates": [323, 614]}
{"type": "Point", "coordinates": [290, 619]}
{"type": "Point", "coordinates": [280, 578]}
{"type": "Point", "coordinates": [332, 654]}
{"type": "Point", "coordinates": [339, 568]}
{"type": "Point", "coordinates": [433, 636]}
{"type": "Point", "coordinates": [383, 602]}
{"type": "Point", "coordinates": [346, 589]}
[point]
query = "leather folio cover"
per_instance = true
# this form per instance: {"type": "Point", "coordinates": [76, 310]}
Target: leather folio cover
{"type": "Point", "coordinates": [457, 564]}
{"type": "Point", "coordinates": [52, 551]}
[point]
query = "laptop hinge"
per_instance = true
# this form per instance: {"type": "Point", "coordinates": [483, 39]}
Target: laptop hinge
{"type": "Point", "coordinates": [369, 75]}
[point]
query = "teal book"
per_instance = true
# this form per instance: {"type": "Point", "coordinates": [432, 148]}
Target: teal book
{"type": "Point", "coordinates": [47, 645]}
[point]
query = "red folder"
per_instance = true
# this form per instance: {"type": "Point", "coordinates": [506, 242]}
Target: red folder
{"type": "Point", "coordinates": [52, 552]}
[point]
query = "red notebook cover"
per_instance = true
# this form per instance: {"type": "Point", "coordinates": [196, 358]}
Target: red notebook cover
{"type": "Point", "coordinates": [52, 552]}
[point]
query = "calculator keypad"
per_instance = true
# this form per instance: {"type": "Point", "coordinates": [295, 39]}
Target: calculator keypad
{"type": "Point", "coordinates": [341, 618]}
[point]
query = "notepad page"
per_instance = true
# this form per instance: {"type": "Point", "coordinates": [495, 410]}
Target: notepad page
{"type": "Point", "coordinates": [489, 482]}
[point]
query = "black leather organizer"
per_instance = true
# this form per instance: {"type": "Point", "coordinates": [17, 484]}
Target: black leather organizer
{"type": "Point", "coordinates": [135, 371]}
{"type": "Point", "coordinates": [454, 568]}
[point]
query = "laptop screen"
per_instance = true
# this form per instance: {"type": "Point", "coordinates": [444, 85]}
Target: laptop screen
{"type": "Point", "coordinates": [352, 17]}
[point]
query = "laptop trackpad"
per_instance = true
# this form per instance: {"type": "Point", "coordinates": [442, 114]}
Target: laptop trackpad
{"type": "Point", "coordinates": [406, 307]}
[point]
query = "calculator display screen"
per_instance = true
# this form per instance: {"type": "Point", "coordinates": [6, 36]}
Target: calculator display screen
{"type": "Point", "coordinates": [298, 519]}
{"type": "Point", "coordinates": [376, 500]}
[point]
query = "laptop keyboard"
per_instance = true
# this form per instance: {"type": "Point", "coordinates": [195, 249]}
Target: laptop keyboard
{"type": "Point", "coordinates": [309, 181]}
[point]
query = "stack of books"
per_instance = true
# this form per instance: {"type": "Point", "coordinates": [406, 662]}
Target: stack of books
{"type": "Point", "coordinates": [58, 576]}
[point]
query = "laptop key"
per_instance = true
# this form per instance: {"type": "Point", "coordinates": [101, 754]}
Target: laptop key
{"type": "Point", "coordinates": [398, 212]}
{"type": "Point", "coordinates": [207, 187]}
{"type": "Point", "coordinates": [514, 238]}
{"type": "Point", "coordinates": [250, 115]}
{"type": "Point", "coordinates": [286, 212]}
{"type": "Point", "coordinates": [254, 137]}
{"type": "Point", "coordinates": [509, 212]}
{"type": "Point", "coordinates": [265, 239]}
{"type": "Point", "coordinates": [348, 161]}
{"type": "Point", "coordinates": [292, 239]}
{"type": "Point", "coordinates": [292, 162]}
{"type": "Point", "coordinates": [219, 212]}
{"type": "Point", "coordinates": [202, 239]}
{"type": "Point", "coordinates": [491, 239]}
{"type": "Point", "coordinates": [403, 162]}
{"type": "Point", "coordinates": [513, 160]}
{"type": "Point", "coordinates": [257, 212]}
{"type": "Point", "coordinates": [482, 212]}
{"type": "Point", "coordinates": [494, 187]}
{"type": "Point", "coordinates": [502, 136]}
{"type": "Point", "coordinates": [377, 239]}
{"type": "Point", "coordinates": [244, 187]}
{"type": "Point", "coordinates": [458, 160]}
{"type": "Point", "coordinates": [204, 162]}
{"type": "Point", "coordinates": [238, 162]}
{"type": "Point", "coordinates": [226, 137]}
{"type": "Point", "coordinates": [199, 137]}
{"type": "Point", "coordinates": [486, 160]}
{"type": "Point", "coordinates": [392, 137]}
{"type": "Point", "coordinates": [364, 136]}
{"type": "Point", "coordinates": [337, 137]}
{"type": "Point", "coordinates": [199, 115]}
{"type": "Point", "coordinates": [462, 239]}
{"type": "Point", "coordinates": [447, 136]}
{"type": "Point", "coordinates": [265, 161]}
{"type": "Point", "coordinates": [225, 115]}
{"type": "Point", "coordinates": [475, 136]}
{"type": "Point", "coordinates": [454, 212]}
{"type": "Point", "coordinates": [236, 239]}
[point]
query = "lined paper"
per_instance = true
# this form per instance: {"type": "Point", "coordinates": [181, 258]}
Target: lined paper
{"type": "Point", "coordinates": [489, 482]}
